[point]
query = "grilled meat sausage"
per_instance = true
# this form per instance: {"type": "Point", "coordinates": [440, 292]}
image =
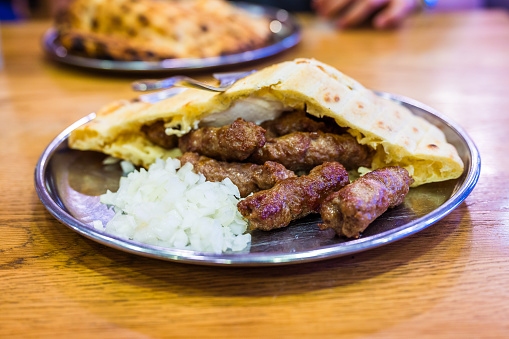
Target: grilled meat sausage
{"type": "Point", "coordinates": [299, 121]}
{"type": "Point", "coordinates": [303, 151]}
{"type": "Point", "coordinates": [235, 142]}
{"type": "Point", "coordinates": [247, 177]}
{"type": "Point", "coordinates": [292, 198]}
{"type": "Point", "coordinates": [156, 133]}
{"type": "Point", "coordinates": [350, 210]}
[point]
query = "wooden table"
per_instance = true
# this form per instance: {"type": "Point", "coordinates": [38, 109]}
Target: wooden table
{"type": "Point", "coordinates": [450, 280]}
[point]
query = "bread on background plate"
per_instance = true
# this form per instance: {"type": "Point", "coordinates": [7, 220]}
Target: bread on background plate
{"type": "Point", "coordinates": [151, 30]}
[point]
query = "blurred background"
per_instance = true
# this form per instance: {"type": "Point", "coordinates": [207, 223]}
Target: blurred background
{"type": "Point", "coordinates": [24, 9]}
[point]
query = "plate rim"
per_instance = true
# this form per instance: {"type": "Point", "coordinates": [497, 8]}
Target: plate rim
{"type": "Point", "coordinates": [264, 258]}
{"type": "Point", "coordinates": [50, 47]}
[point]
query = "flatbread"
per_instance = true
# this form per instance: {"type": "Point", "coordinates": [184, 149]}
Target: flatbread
{"type": "Point", "coordinates": [150, 30]}
{"type": "Point", "coordinates": [399, 137]}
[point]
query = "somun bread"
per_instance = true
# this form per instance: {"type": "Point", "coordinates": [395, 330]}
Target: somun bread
{"type": "Point", "coordinates": [153, 30]}
{"type": "Point", "coordinates": [398, 137]}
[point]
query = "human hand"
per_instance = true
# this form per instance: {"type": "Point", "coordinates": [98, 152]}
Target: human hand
{"type": "Point", "coordinates": [350, 13]}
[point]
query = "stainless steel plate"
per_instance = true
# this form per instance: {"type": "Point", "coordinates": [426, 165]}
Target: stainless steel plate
{"type": "Point", "coordinates": [69, 183]}
{"type": "Point", "coordinates": [285, 34]}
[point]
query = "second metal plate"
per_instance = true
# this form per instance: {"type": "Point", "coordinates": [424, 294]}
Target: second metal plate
{"type": "Point", "coordinates": [286, 36]}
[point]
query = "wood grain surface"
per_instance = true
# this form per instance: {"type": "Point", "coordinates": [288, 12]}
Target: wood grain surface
{"type": "Point", "coordinates": [450, 280]}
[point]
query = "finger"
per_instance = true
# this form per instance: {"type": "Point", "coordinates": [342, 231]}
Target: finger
{"type": "Point", "coordinates": [329, 8]}
{"type": "Point", "coordinates": [394, 14]}
{"type": "Point", "coordinates": [359, 12]}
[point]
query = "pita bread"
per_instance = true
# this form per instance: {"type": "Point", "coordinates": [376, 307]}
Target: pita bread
{"type": "Point", "coordinates": [151, 30]}
{"type": "Point", "coordinates": [399, 137]}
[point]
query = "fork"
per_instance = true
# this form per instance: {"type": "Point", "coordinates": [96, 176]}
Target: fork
{"type": "Point", "coordinates": [226, 79]}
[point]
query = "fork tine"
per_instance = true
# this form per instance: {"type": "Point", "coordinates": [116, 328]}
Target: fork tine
{"type": "Point", "coordinates": [170, 85]}
{"type": "Point", "coordinates": [154, 97]}
{"type": "Point", "coordinates": [152, 84]}
{"type": "Point", "coordinates": [228, 78]}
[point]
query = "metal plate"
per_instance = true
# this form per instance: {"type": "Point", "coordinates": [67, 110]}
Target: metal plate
{"type": "Point", "coordinates": [285, 34]}
{"type": "Point", "coordinates": [69, 183]}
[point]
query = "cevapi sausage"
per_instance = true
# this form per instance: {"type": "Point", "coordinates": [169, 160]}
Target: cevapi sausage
{"type": "Point", "coordinates": [292, 198]}
{"type": "Point", "coordinates": [350, 210]}
{"type": "Point", "coordinates": [235, 142]}
{"type": "Point", "coordinates": [249, 178]}
{"type": "Point", "coordinates": [305, 150]}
